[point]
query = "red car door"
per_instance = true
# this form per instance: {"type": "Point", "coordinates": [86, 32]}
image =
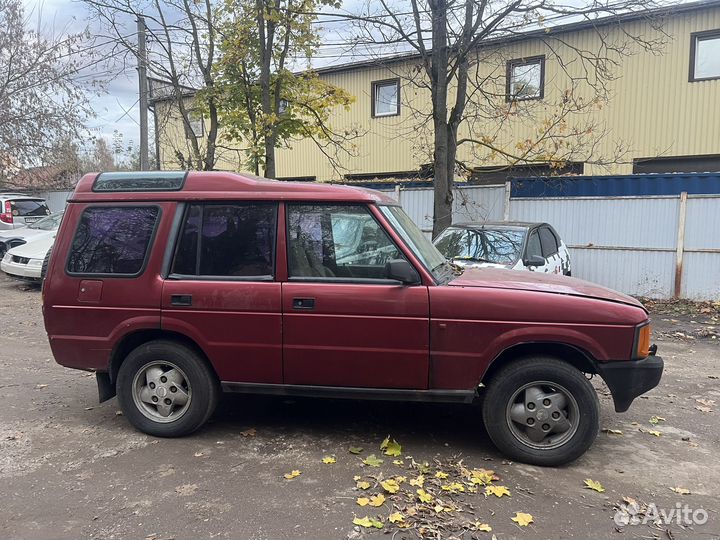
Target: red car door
{"type": "Point", "coordinates": [221, 290]}
{"type": "Point", "coordinates": [344, 323]}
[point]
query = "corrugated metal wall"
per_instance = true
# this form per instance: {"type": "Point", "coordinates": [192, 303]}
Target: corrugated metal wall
{"type": "Point", "coordinates": [626, 243]}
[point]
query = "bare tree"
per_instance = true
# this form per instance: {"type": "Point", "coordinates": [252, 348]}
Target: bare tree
{"type": "Point", "coordinates": [181, 53]}
{"type": "Point", "coordinates": [42, 99]}
{"type": "Point", "coordinates": [454, 55]}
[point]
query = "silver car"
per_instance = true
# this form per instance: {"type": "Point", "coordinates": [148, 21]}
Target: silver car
{"type": "Point", "coordinates": [18, 210]}
{"type": "Point", "coordinates": [17, 237]}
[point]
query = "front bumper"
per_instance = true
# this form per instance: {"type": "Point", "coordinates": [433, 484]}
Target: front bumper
{"type": "Point", "coordinates": [630, 379]}
{"type": "Point", "coordinates": [25, 271]}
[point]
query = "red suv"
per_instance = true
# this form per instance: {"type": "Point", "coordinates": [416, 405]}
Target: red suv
{"type": "Point", "coordinates": [173, 287]}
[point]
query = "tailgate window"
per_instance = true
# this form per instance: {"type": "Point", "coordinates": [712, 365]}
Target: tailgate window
{"type": "Point", "coordinates": [113, 240]}
{"type": "Point", "coordinates": [29, 207]}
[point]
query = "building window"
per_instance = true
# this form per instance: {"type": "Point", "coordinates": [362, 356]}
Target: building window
{"type": "Point", "coordinates": [386, 98]}
{"type": "Point", "coordinates": [525, 78]}
{"type": "Point", "coordinates": [705, 55]}
{"type": "Point", "coordinates": [197, 123]}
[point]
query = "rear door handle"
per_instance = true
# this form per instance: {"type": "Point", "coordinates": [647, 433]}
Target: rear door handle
{"type": "Point", "coordinates": [181, 300]}
{"type": "Point", "coordinates": [303, 303]}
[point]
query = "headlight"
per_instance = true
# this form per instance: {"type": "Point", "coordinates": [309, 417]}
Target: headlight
{"type": "Point", "coordinates": [35, 262]}
{"type": "Point", "coordinates": [7, 257]}
{"type": "Point", "coordinates": [641, 348]}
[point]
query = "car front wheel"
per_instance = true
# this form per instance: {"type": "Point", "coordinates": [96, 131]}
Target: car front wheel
{"type": "Point", "coordinates": [166, 389]}
{"type": "Point", "coordinates": [541, 411]}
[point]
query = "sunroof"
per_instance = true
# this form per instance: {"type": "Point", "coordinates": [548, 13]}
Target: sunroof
{"type": "Point", "coordinates": [140, 181]}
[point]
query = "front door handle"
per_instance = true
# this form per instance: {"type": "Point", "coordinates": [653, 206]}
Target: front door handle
{"type": "Point", "coordinates": [303, 303]}
{"type": "Point", "coordinates": [181, 300]}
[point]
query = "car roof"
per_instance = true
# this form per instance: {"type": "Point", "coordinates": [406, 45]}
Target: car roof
{"type": "Point", "coordinates": [499, 224]}
{"type": "Point", "coordinates": [216, 185]}
{"type": "Point", "coordinates": [20, 196]}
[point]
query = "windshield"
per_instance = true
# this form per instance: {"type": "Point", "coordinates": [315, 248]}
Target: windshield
{"type": "Point", "coordinates": [500, 246]}
{"type": "Point", "coordinates": [416, 240]}
{"type": "Point", "coordinates": [49, 223]}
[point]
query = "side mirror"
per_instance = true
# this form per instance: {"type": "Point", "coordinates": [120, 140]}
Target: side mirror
{"type": "Point", "coordinates": [402, 271]}
{"type": "Point", "coordinates": [534, 260]}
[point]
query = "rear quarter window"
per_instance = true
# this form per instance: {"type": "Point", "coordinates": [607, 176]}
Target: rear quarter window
{"type": "Point", "coordinates": [548, 241]}
{"type": "Point", "coordinates": [113, 240]}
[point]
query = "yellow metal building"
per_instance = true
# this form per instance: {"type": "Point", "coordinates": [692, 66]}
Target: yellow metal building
{"type": "Point", "coordinates": [542, 108]}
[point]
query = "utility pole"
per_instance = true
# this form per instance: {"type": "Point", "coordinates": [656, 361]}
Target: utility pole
{"type": "Point", "coordinates": [142, 80]}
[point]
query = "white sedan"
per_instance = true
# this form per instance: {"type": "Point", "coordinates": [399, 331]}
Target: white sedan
{"type": "Point", "coordinates": [26, 261]}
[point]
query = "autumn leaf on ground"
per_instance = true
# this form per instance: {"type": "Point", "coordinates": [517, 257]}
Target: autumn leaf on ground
{"type": "Point", "coordinates": [199, 454]}
{"type": "Point", "coordinates": [523, 519]}
{"type": "Point", "coordinates": [398, 462]}
{"type": "Point", "coordinates": [251, 432]}
{"type": "Point", "coordinates": [703, 408]}
{"type": "Point", "coordinates": [613, 431]}
{"type": "Point", "coordinates": [355, 450]}
{"type": "Point", "coordinates": [655, 420]}
{"type": "Point", "coordinates": [498, 491]}
{"type": "Point", "coordinates": [362, 501]}
{"type": "Point", "coordinates": [390, 485]}
{"type": "Point", "coordinates": [594, 485]}
{"type": "Point", "coordinates": [396, 517]}
{"type": "Point", "coordinates": [651, 432]}
{"type": "Point", "coordinates": [482, 476]}
{"type": "Point", "coordinates": [453, 487]}
{"type": "Point", "coordinates": [482, 527]}
{"type": "Point", "coordinates": [680, 490]}
{"type": "Point", "coordinates": [363, 485]}
{"type": "Point", "coordinates": [292, 474]}
{"type": "Point", "coordinates": [368, 522]}
{"type": "Point", "coordinates": [328, 460]}
{"type": "Point", "coordinates": [372, 461]}
{"type": "Point", "coordinates": [417, 482]}
{"type": "Point", "coordinates": [391, 447]}
{"type": "Point", "coordinates": [400, 479]}
{"type": "Point", "coordinates": [424, 496]}
{"type": "Point", "coordinates": [706, 402]}
{"type": "Point", "coordinates": [441, 475]}
{"type": "Point", "coordinates": [377, 500]}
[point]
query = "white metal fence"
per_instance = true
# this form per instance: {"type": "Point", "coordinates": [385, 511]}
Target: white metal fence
{"type": "Point", "coordinates": [659, 246]}
{"type": "Point", "coordinates": [655, 246]}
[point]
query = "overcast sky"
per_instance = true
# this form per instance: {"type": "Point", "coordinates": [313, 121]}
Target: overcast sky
{"type": "Point", "coordinates": [122, 92]}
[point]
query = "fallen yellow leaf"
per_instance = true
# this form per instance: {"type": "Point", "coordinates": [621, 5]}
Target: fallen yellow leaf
{"type": "Point", "coordinates": [362, 484]}
{"type": "Point", "coordinates": [594, 485]}
{"type": "Point", "coordinates": [357, 477]}
{"type": "Point", "coordinates": [396, 517]}
{"type": "Point", "coordinates": [482, 527]}
{"type": "Point", "coordinates": [523, 519]}
{"type": "Point", "coordinates": [377, 500]}
{"type": "Point", "coordinates": [424, 496]}
{"type": "Point", "coordinates": [391, 447]}
{"type": "Point", "coordinates": [372, 461]}
{"type": "Point", "coordinates": [453, 487]}
{"type": "Point", "coordinates": [329, 460]}
{"type": "Point", "coordinates": [482, 476]}
{"type": "Point", "coordinates": [398, 462]}
{"type": "Point", "coordinates": [292, 474]}
{"type": "Point", "coordinates": [654, 420]}
{"type": "Point", "coordinates": [498, 491]}
{"type": "Point", "coordinates": [441, 475]}
{"type": "Point", "coordinates": [417, 482]}
{"type": "Point", "coordinates": [390, 485]}
{"type": "Point", "coordinates": [681, 490]}
{"type": "Point", "coordinates": [368, 522]}
{"type": "Point", "coordinates": [363, 501]}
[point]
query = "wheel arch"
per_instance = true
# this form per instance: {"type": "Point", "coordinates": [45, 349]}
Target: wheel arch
{"type": "Point", "coordinates": [133, 340]}
{"type": "Point", "coordinates": [573, 355]}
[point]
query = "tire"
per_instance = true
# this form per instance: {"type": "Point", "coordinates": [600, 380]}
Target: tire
{"type": "Point", "coordinates": [551, 387]}
{"type": "Point", "coordinates": [141, 389]}
{"type": "Point", "coordinates": [45, 264]}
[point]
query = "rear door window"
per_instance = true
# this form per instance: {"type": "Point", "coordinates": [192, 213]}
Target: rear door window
{"type": "Point", "coordinates": [548, 241]}
{"type": "Point", "coordinates": [533, 245]}
{"type": "Point", "coordinates": [228, 240]}
{"type": "Point", "coordinates": [113, 240]}
{"type": "Point", "coordinates": [29, 207]}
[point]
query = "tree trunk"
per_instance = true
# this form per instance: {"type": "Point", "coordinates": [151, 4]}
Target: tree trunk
{"type": "Point", "coordinates": [442, 185]}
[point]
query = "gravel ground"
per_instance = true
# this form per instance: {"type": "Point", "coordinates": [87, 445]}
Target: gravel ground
{"type": "Point", "coordinates": [71, 468]}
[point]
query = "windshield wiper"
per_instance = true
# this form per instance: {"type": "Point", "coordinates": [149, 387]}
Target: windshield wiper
{"type": "Point", "coordinates": [471, 259]}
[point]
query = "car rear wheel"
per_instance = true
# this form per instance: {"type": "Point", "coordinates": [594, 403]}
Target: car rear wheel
{"type": "Point", "coordinates": [166, 389]}
{"type": "Point", "coordinates": [541, 411]}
